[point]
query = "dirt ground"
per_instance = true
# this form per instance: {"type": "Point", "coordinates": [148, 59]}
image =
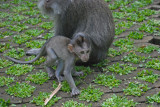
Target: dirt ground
{"type": "Point", "coordinates": [150, 38]}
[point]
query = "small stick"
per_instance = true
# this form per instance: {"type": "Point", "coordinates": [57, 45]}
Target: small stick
{"type": "Point", "coordinates": [53, 93]}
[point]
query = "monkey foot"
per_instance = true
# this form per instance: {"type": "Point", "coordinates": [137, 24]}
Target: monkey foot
{"type": "Point", "coordinates": [78, 73]}
{"type": "Point", "coordinates": [75, 91]}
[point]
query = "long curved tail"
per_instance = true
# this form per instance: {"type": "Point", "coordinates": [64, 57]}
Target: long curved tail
{"type": "Point", "coordinates": [42, 51]}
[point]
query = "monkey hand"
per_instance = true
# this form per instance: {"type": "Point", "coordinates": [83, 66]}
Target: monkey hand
{"type": "Point", "coordinates": [78, 73]}
{"type": "Point", "coordinates": [60, 78]}
{"type": "Point", "coordinates": [75, 91]}
{"type": "Point", "coordinates": [51, 75]}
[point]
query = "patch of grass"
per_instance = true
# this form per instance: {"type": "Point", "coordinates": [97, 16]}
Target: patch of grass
{"type": "Point", "coordinates": [35, 43]}
{"type": "Point", "coordinates": [154, 63]}
{"type": "Point", "coordinates": [146, 12]}
{"type": "Point", "coordinates": [5, 34]}
{"type": "Point", "coordinates": [30, 4]}
{"type": "Point", "coordinates": [34, 32]}
{"type": "Point", "coordinates": [39, 100]}
{"type": "Point", "coordinates": [154, 98]}
{"type": "Point", "coordinates": [119, 15]}
{"type": "Point", "coordinates": [5, 23]}
{"type": "Point", "coordinates": [48, 35]}
{"type": "Point", "coordinates": [148, 28]}
{"type": "Point", "coordinates": [15, 53]}
{"type": "Point", "coordinates": [31, 12]}
{"type": "Point", "coordinates": [118, 101]}
{"type": "Point", "coordinates": [127, 9]}
{"type": "Point", "coordinates": [103, 63]}
{"type": "Point", "coordinates": [148, 76]}
{"type": "Point", "coordinates": [47, 25]}
{"type": "Point", "coordinates": [119, 30]}
{"type": "Point", "coordinates": [132, 57]}
{"type": "Point", "coordinates": [4, 14]}
{"type": "Point", "coordinates": [5, 63]}
{"type": "Point", "coordinates": [147, 49]}
{"type": "Point", "coordinates": [38, 78]}
{"type": "Point", "coordinates": [107, 80]}
{"type": "Point", "coordinates": [141, 3]}
{"type": "Point", "coordinates": [33, 21]}
{"type": "Point", "coordinates": [17, 18]}
{"type": "Point", "coordinates": [37, 62]}
{"type": "Point", "coordinates": [122, 42]}
{"type": "Point", "coordinates": [118, 3]}
{"type": "Point", "coordinates": [18, 9]}
{"type": "Point", "coordinates": [21, 38]}
{"type": "Point", "coordinates": [136, 17]}
{"type": "Point", "coordinates": [125, 24]}
{"type": "Point", "coordinates": [21, 90]}
{"type": "Point", "coordinates": [4, 6]}
{"type": "Point", "coordinates": [16, 1]}
{"type": "Point", "coordinates": [6, 81]}
{"type": "Point", "coordinates": [72, 103]}
{"type": "Point", "coordinates": [107, 0]}
{"type": "Point", "coordinates": [121, 69]}
{"type": "Point", "coordinates": [19, 69]}
{"type": "Point", "coordinates": [113, 52]}
{"type": "Point", "coordinates": [126, 48]}
{"type": "Point", "coordinates": [90, 94]}
{"type": "Point", "coordinates": [136, 89]}
{"type": "Point", "coordinates": [65, 85]}
{"type": "Point", "coordinates": [4, 46]}
{"type": "Point", "coordinates": [18, 27]}
{"type": "Point", "coordinates": [4, 103]}
{"type": "Point", "coordinates": [135, 35]}
{"type": "Point", "coordinates": [154, 22]}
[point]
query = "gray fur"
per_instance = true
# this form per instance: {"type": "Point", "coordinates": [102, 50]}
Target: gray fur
{"type": "Point", "coordinates": [92, 17]}
{"type": "Point", "coordinates": [57, 49]}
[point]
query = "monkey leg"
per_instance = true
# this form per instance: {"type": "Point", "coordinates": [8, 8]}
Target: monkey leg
{"type": "Point", "coordinates": [51, 59]}
{"type": "Point", "coordinates": [59, 70]}
{"type": "Point", "coordinates": [67, 74]}
{"type": "Point", "coordinates": [33, 51]}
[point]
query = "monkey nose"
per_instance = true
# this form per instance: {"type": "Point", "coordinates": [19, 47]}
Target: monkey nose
{"type": "Point", "coordinates": [85, 59]}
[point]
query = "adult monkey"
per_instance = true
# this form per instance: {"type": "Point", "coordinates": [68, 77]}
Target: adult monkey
{"type": "Point", "coordinates": [92, 17]}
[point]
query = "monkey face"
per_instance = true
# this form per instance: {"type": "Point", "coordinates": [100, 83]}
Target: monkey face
{"type": "Point", "coordinates": [53, 7]}
{"type": "Point", "coordinates": [83, 52]}
{"type": "Point", "coordinates": [80, 46]}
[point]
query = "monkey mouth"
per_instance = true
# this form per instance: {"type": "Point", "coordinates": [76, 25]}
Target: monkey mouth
{"type": "Point", "coordinates": [85, 60]}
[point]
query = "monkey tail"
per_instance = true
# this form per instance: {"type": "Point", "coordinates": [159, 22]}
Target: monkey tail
{"type": "Point", "coordinates": [28, 62]}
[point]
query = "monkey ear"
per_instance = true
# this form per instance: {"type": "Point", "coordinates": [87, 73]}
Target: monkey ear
{"type": "Point", "coordinates": [70, 48]}
{"type": "Point", "coordinates": [81, 38]}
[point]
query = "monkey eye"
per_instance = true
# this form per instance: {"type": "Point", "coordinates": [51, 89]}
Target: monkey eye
{"type": "Point", "coordinates": [88, 51]}
{"type": "Point", "coordinates": [82, 52]}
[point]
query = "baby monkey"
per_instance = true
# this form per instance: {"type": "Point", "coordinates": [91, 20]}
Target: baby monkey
{"type": "Point", "coordinates": [65, 51]}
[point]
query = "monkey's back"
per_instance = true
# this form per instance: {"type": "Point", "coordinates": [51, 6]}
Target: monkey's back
{"type": "Point", "coordinates": [92, 17]}
{"type": "Point", "coordinates": [59, 45]}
